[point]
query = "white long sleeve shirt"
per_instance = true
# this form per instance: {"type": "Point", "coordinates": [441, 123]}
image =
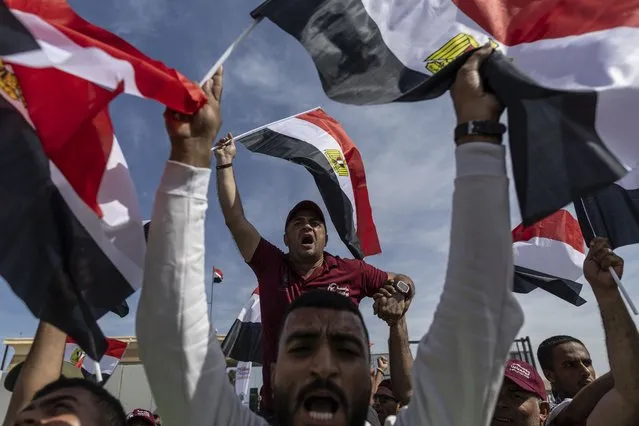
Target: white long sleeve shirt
{"type": "Point", "coordinates": [459, 365]}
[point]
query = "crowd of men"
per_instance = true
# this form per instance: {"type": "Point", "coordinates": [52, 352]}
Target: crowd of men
{"type": "Point", "coordinates": [315, 341]}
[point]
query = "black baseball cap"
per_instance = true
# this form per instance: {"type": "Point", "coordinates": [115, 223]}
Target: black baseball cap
{"type": "Point", "coordinates": [305, 205]}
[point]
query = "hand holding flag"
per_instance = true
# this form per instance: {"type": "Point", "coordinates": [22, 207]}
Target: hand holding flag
{"type": "Point", "coordinates": [192, 136]}
{"type": "Point", "coordinates": [225, 150]}
{"type": "Point", "coordinates": [470, 98]}
{"type": "Point", "coordinates": [596, 267]}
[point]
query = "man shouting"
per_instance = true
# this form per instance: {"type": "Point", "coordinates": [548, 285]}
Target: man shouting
{"type": "Point", "coordinates": [283, 277]}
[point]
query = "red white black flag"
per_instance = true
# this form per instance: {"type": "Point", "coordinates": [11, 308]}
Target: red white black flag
{"type": "Point", "coordinates": [570, 83]}
{"type": "Point", "coordinates": [244, 339]}
{"type": "Point", "coordinates": [72, 246]}
{"type": "Point", "coordinates": [318, 142]}
{"type": "Point", "coordinates": [550, 255]}
{"type": "Point", "coordinates": [74, 355]}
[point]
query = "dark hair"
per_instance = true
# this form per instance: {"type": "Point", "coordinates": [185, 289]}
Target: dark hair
{"type": "Point", "coordinates": [324, 299]}
{"type": "Point", "coordinates": [110, 409]}
{"type": "Point", "coordinates": [546, 348]}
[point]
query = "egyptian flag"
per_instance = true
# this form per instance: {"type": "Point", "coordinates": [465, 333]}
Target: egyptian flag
{"type": "Point", "coordinates": [244, 339]}
{"type": "Point", "coordinates": [218, 276]}
{"type": "Point", "coordinates": [319, 143]}
{"type": "Point", "coordinates": [569, 82]}
{"type": "Point", "coordinates": [71, 245]}
{"type": "Point", "coordinates": [550, 255]}
{"type": "Point", "coordinates": [612, 212]}
{"type": "Point", "coordinates": [74, 355]}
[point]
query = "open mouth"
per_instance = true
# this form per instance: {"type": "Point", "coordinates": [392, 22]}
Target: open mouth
{"type": "Point", "coordinates": [307, 240]}
{"type": "Point", "coordinates": [321, 407]}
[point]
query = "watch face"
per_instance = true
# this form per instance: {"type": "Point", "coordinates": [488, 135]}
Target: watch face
{"type": "Point", "coordinates": [402, 287]}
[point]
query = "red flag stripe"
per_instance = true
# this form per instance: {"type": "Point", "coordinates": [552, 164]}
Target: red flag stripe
{"type": "Point", "coordinates": [559, 226]}
{"type": "Point", "coordinates": [513, 22]}
{"type": "Point", "coordinates": [366, 231]}
{"type": "Point", "coordinates": [55, 21]}
{"type": "Point", "coordinates": [115, 349]}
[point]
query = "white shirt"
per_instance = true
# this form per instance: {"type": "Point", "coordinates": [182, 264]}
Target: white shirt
{"type": "Point", "coordinates": [458, 369]}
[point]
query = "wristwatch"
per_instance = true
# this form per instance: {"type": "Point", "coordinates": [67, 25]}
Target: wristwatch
{"type": "Point", "coordinates": [480, 128]}
{"type": "Point", "coordinates": [402, 287]}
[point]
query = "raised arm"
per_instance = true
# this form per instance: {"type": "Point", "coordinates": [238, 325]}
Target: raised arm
{"type": "Point", "coordinates": [244, 233]}
{"type": "Point", "coordinates": [182, 358]}
{"type": "Point", "coordinates": [458, 369]}
{"type": "Point", "coordinates": [622, 337]}
{"type": "Point", "coordinates": [42, 366]}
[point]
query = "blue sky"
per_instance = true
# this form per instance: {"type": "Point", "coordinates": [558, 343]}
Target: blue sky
{"type": "Point", "coordinates": [407, 150]}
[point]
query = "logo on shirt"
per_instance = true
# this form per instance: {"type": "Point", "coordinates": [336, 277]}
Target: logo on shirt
{"type": "Point", "coordinates": [344, 291]}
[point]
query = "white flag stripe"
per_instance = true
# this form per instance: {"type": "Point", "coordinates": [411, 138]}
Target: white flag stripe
{"type": "Point", "coordinates": [107, 364]}
{"type": "Point", "coordinates": [251, 310]}
{"type": "Point", "coordinates": [550, 257]}
{"type": "Point", "coordinates": [119, 233]}
{"type": "Point", "coordinates": [550, 63]}
{"type": "Point", "coordinates": [59, 51]}
{"type": "Point", "coordinates": [303, 130]}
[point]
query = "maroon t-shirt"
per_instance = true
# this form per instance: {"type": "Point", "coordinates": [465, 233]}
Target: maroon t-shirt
{"type": "Point", "coordinates": [280, 285]}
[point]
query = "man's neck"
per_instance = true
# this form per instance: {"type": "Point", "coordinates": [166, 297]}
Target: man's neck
{"type": "Point", "coordinates": [305, 267]}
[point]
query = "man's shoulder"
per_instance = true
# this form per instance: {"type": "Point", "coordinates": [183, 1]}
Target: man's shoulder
{"type": "Point", "coordinates": [343, 261]}
{"type": "Point", "coordinates": [556, 410]}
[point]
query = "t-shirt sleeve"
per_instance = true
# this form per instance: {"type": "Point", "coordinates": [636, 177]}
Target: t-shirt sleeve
{"type": "Point", "coordinates": [556, 410]}
{"type": "Point", "coordinates": [266, 261]}
{"type": "Point", "coordinates": [372, 278]}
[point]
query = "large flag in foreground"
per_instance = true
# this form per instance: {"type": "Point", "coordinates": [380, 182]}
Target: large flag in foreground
{"type": "Point", "coordinates": [74, 355]}
{"type": "Point", "coordinates": [570, 91]}
{"type": "Point", "coordinates": [319, 143]}
{"type": "Point", "coordinates": [244, 339]}
{"type": "Point", "coordinates": [612, 212]}
{"type": "Point", "coordinates": [71, 245]}
{"type": "Point", "coordinates": [550, 255]}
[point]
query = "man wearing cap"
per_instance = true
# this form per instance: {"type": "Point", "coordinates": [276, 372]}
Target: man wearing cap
{"type": "Point", "coordinates": [522, 400]}
{"type": "Point", "coordinates": [384, 401]}
{"type": "Point", "coordinates": [140, 417]}
{"type": "Point", "coordinates": [282, 277]}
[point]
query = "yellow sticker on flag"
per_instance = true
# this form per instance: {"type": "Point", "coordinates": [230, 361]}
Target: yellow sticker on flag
{"type": "Point", "coordinates": [77, 356]}
{"type": "Point", "coordinates": [337, 161]}
{"type": "Point", "coordinates": [9, 84]}
{"type": "Point", "coordinates": [451, 50]}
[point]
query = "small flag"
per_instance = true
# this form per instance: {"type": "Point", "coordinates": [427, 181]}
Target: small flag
{"type": "Point", "coordinates": [319, 143]}
{"type": "Point", "coordinates": [74, 355]}
{"type": "Point", "coordinates": [242, 381]}
{"type": "Point", "coordinates": [570, 111]}
{"type": "Point", "coordinates": [71, 245]}
{"type": "Point", "coordinates": [244, 339]}
{"type": "Point", "coordinates": [217, 276]}
{"type": "Point", "coordinates": [550, 255]}
{"type": "Point", "coordinates": [612, 212]}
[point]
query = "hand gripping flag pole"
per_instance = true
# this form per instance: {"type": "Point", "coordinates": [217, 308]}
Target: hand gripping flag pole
{"type": "Point", "coordinates": [230, 50]}
{"type": "Point", "coordinates": [614, 275]}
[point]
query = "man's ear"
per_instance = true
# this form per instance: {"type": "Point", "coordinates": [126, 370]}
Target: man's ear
{"type": "Point", "coordinates": [544, 410]}
{"type": "Point", "coordinates": [549, 375]}
{"type": "Point", "coordinates": [285, 239]}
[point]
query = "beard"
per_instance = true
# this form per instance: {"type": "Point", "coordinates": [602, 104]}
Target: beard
{"type": "Point", "coordinates": [285, 407]}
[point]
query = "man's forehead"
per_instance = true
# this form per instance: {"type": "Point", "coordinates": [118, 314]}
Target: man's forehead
{"type": "Point", "coordinates": [306, 214]}
{"type": "Point", "coordinates": [572, 350]}
{"type": "Point", "coordinates": [322, 320]}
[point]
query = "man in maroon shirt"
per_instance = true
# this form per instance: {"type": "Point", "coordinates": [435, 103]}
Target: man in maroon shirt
{"type": "Point", "coordinates": [284, 276]}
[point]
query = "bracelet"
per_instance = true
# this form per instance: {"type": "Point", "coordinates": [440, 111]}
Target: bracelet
{"type": "Point", "coordinates": [224, 166]}
{"type": "Point", "coordinates": [381, 371]}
